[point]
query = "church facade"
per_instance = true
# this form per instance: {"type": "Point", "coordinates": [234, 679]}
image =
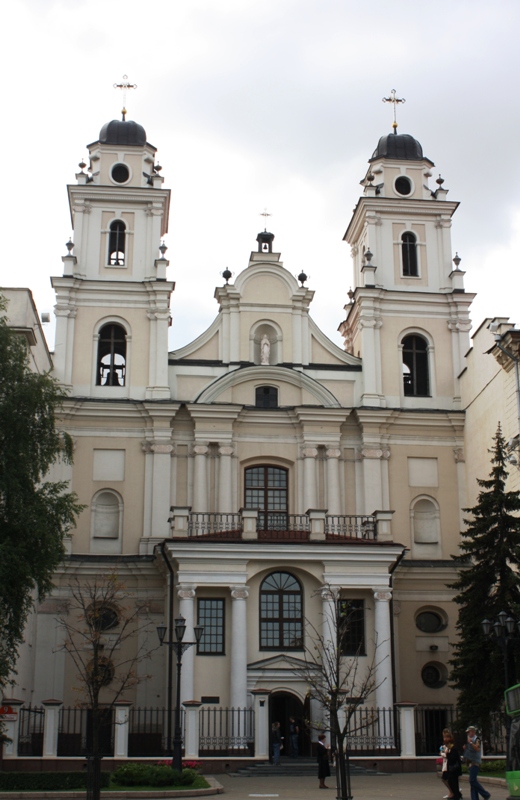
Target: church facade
{"type": "Point", "coordinates": [251, 477]}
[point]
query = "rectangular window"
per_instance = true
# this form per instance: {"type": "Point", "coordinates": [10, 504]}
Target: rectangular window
{"type": "Point", "coordinates": [211, 617]}
{"type": "Point", "coordinates": [351, 627]}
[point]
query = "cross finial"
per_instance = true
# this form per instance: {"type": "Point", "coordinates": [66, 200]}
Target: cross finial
{"type": "Point", "coordinates": [395, 101]}
{"type": "Point", "coordinates": [124, 85]}
{"type": "Point", "coordinates": [265, 213]}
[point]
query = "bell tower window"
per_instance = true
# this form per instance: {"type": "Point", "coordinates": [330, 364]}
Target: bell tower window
{"type": "Point", "coordinates": [416, 379]}
{"type": "Point", "coordinates": [409, 251]}
{"type": "Point", "coordinates": [111, 361]}
{"type": "Point", "coordinates": [116, 244]}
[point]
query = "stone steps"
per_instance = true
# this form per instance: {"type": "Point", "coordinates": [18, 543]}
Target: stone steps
{"type": "Point", "coordinates": [300, 767]}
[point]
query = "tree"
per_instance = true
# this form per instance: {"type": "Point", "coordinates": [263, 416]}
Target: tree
{"type": "Point", "coordinates": [35, 514]}
{"type": "Point", "coordinates": [101, 632]}
{"type": "Point", "coordinates": [488, 583]}
{"type": "Point", "coordinates": [340, 683]}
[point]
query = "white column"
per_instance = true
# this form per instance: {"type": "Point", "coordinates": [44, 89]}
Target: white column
{"type": "Point", "coordinates": [186, 596]}
{"type": "Point", "coordinates": [328, 631]}
{"type": "Point", "coordinates": [200, 483]}
{"type": "Point", "coordinates": [50, 727]}
{"type": "Point", "coordinates": [261, 707]}
{"type": "Point", "coordinates": [238, 672]}
{"type": "Point", "coordinates": [160, 506]}
{"type": "Point", "coordinates": [225, 503]}
{"type": "Point", "coordinates": [121, 729]}
{"type": "Point", "coordinates": [334, 504]}
{"type": "Point", "coordinates": [309, 477]}
{"type": "Point", "coordinates": [384, 695]}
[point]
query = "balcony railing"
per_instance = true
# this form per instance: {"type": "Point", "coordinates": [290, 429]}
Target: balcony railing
{"type": "Point", "coordinates": [339, 526]}
{"type": "Point", "coordinates": [203, 524]}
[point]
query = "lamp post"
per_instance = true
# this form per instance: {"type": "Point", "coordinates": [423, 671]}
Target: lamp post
{"type": "Point", "coordinates": [504, 631]}
{"type": "Point", "coordinates": [179, 647]}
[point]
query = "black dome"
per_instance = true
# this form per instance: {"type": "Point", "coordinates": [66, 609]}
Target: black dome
{"type": "Point", "coordinates": [119, 132]}
{"type": "Point", "coordinates": [400, 146]}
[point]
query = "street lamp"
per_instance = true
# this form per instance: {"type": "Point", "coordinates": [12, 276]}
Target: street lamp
{"type": "Point", "coordinates": [179, 647]}
{"type": "Point", "coordinates": [504, 631]}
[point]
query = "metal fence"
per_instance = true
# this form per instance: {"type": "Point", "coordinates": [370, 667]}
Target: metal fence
{"type": "Point", "coordinates": [30, 735]}
{"type": "Point", "coordinates": [279, 525]}
{"type": "Point", "coordinates": [200, 524]}
{"type": "Point", "coordinates": [374, 731]}
{"type": "Point", "coordinates": [430, 721]}
{"type": "Point", "coordinates": [148, 731]}
{"type": "Point", "coordinates": [348, 527]}
{"type": "Point", "coordinates": [75, 732]}
{"type": "Point", "coordinates": [226, 732]}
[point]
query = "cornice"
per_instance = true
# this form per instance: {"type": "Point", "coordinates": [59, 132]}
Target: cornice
{"type": "Point", "coordinates": [394, 207]}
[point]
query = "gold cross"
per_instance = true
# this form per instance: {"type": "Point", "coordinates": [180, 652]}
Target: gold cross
{"type": "Point", "coordinates": [395, 100]}
{"type": "Point", "coordinates": [124, 86]}
{"type": "Point", "coordinates": [265, 214]}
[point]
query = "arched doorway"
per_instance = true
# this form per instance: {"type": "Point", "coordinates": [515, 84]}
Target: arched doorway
{"type": "Point", "coordinates": [282, 706]}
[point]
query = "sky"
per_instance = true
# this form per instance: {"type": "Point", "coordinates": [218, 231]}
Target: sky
{"type": "Point", "coordinates": [258, 104]}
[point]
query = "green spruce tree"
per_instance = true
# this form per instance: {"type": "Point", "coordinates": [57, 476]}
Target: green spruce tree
{"type": "Point", "coordinates": [488, 583]}
{"type": "Point", "coordinates": [35, 513]}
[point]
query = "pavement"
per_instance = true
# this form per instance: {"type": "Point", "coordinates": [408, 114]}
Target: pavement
{"type": "Point", "coordinates": [412, 786]}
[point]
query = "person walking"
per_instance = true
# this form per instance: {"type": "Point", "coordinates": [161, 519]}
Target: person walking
{"type": "Point", "coordinates": [322, 756]}
{"type": "Point", "coordinates": [473, 757]}
{"type": "Point", "coordinates": [443, 750]}
{"type": "Point", "coordinates": [293, 737]}
{"type": "Point", "coordinates": [454, 767]}
{"type": "Point", "coordinates": [276, 742]}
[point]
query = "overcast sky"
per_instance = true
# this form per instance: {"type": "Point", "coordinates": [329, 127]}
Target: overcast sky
{"type": "Point", "coordinates": [263, 103]}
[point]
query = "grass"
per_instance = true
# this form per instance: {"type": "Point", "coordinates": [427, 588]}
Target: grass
{"type": "Point", "coordinates": [199, 783]}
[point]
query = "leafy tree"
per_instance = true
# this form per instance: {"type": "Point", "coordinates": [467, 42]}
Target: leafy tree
{"type": "Point", "coordinates": [102, 634]}
{"type": "Point", "coordinates": [35, 514]}
{"type": "Point", "coordinates": [340, 683]}
{"type": "Point", "coordinates": [488, 583]}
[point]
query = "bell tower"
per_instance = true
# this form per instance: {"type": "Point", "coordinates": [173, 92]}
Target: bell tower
{"type": "Point", "coordinates": [408, 314]}
{"type": "Point", "coordinates": [113, 297]}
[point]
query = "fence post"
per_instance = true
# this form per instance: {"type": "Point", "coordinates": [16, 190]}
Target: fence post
{"type": "Point", "coordinates": [179, 521]}
{"type": "Point", "coordinates": [317, 520]}
{"type": "Point", "coordinates": [249, 523]}
{"type": "Point", "coordinates": [383, 525]}
{"type": "Point", "coordinates": [191, 734]}
{"type": "Point", "coordinates": [121, 730]}
{"type": "Point", "coordinates": [12, 726]}
{"type": "Point", "coordinates": [407, 729]}
{"type": "Point", "coordinates": [261, 706]}
{"type": "Point", "coordinates": [51, 720]}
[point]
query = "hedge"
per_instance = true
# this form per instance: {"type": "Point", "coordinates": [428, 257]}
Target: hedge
{"type": "Point", "coordinates": [47, 781]}
{"type": "Point", "coordinates": [136, 774]}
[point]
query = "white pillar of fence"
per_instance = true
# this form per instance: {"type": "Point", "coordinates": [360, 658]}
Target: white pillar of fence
{"type": "Point", "coordinates": [261, 706]}
{"type": "Point", "coordinates": [51, 721]}
{"type": "Point", "coordinates": [12, 726]}
{"type": "Point", "coordinates": [192, 729]}
{"type": "Point", "coordinates": [317, 520]}
{"type": "Point", "coordinates": [407, 729]}
{"type": "Point", "coordinates": [249, 523]}
{"type": "Point", "coordinates": [121, 728]}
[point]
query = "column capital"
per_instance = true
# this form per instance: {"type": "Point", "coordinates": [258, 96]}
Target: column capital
{"type": "Point", "coordinates": [225, 451]}
{"type": "Point", "coordinates": [333, 452]}
{"type": "Point", "coordinates": [310, 452]}
{"type": "Point", "coordinates": [186, 591]}
{"type": "Point", "coordinates": [200, 449]}
{"type": "Point", "coordinates": [374, 452]}
{"type": "Point", "coordinates": [326, 593]}
{"type": "Point", "coordinates": [383, 595]}
{"type": "Point", "coordinates": [239, 592]}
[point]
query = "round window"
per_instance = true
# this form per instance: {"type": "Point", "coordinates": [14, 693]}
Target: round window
{"type": "Point", "coordinates": [432, 676]}
{"type": "Point", "coordinates": [101, 673]}
{"type": "Point", "coordinates": [429, 622]}
{"type": "Point", "coordinates": [403, 185]}
{"type": "Point", "coordinates": [102, 617]}
{"type": "Point", "coordinates": [120, 173]}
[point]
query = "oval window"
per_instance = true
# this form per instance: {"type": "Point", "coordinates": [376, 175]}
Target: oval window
{"type": "Point", "coordinates": [120, 173]}
{"type": "Point", "coordinates": [429, 622]}
{"type": "Point", "coordinates": [403, 185]}
{"type": "Point", "coordinates": [102, 617]}
{"type": "Point", "coordinates": [432, 676]}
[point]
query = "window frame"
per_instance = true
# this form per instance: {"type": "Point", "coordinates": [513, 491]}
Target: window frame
{"type": "Point", "coordinates": [119, 234]}
{"type": "Point", "coordinates": [357, 648]}
{"type": "Point", "coordinates": [409, 255]}
{"type": "Point", "coordinates": [419, 372]}
{"type": "Point", "coordinates": [112, 351]}
{"type": "Point", "coordinates": [220, 602]}
{"type": "Point", "coordinates": [281, 620]}
{"type": "Point", "coordinates": [271, 394]}
{"type": "Point", "coordinates": [269, 518]}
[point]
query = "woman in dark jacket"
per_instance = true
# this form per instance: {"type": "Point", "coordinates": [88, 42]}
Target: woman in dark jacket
{"type": "Point", "coordinates": [322, 755]}
{"type": "Point", "coordinates": [454, 768]}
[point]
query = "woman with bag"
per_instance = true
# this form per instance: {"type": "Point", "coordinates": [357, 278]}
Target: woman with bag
{"type": "Point", "coordinates": [322, 755]}
{"type": "Point", "coordinates": [454, 767]}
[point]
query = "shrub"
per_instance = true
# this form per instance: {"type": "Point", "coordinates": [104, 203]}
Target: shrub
{"type": "Point", "coordinates": [149, 775]}
{"type": "Point", "coordinates": [132, 775]}
{"type": "Point", "coordinates": [187, 777]}
{"type": "Point", "coordinates": [47, 781]}
{"type": "Point", "coordinates": [161, 776]}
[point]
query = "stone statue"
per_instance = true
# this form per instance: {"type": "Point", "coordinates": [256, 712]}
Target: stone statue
{"type": "Point", "coordinates": [265, 349]}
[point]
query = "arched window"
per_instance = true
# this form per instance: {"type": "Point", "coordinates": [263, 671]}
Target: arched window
{"type": "Point", "coordinates": [409, 250]}
{"type": "Point", "coordinates": [116, 244]}
{"type": "Point", "coordinates": [111, 361]}
{"type": "Point", "coordinates": [416, 378]}
{"type": "Point", "coordinates": [107, 510]}
{"type": "Point", "coordinates": [266, 397]}
{"type": "Point", "coordinates": [266, 490]}
{"type": "Point", "coordinates": [281, 612]}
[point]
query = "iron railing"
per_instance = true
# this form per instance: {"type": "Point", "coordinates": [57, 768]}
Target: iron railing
{"type": "Point", "coordinates": [148, 731]}
{"type": "Point", "coordinates": [211, 524]}
{"type": "Point", "coordinates": [374, 730]}
{"type": "Point", "coordinates": [430, 721]}
{"type": "Point", "coordinates": [341, 526]}
{"type": "Point", "coordinates": [279, 525]}
{"type": "Point", "coordinates": [75, 732]}
{"type": "Point", "coordinates": [30, 732]}
{"type": "Point", "coordinates": [226, 732]}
